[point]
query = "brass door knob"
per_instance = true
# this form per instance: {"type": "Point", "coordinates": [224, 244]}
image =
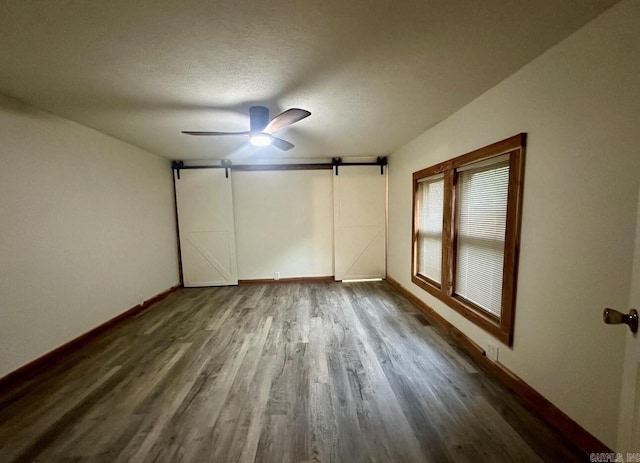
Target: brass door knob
{"type": "Point", "coordinates": [613, 317]}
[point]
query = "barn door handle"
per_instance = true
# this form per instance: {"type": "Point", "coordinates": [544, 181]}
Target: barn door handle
{"type": "Point", "coordinates": [613, 317]}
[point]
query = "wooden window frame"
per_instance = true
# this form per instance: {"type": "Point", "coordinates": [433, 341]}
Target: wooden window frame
{"type": "Point", "coordinates": [502, 327]}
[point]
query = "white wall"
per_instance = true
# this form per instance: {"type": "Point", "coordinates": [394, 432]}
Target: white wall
{"type": "Point", "coordinates": [580, 104]}
{"type": "Point", "coordinates": [87, 230]}
{"type": "Point", "coordinates": [284, 223]}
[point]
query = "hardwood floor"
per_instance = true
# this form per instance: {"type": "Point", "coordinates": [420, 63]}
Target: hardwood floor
{"type": "Point", "coordinates": [297, 372]}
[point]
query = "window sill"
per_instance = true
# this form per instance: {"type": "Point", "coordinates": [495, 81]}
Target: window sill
{"type": "Point", "coordinates": [498, 328]}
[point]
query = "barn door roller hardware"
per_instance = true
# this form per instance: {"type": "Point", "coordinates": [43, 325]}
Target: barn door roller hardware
{"type": "Point", "coordinates": [380, 161]}
{"type": "Point", "coordinates": [227, 165]}
{"type": "Point", "coordinates": [177, 165]}
{"type": "Point", "coordinates": [336, 163]}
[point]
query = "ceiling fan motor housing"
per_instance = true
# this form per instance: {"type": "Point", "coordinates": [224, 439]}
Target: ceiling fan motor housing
{"type": "Point", "coordinates": [259, 118]}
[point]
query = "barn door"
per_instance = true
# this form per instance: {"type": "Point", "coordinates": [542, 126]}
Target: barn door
{"type": "Point", "coordinates": [359, 201]}
{"type": "Point", "coordinates": [206, 227]}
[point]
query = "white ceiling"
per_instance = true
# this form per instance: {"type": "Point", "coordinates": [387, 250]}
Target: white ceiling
{"type": "Point", "coordinates": [373, 73]}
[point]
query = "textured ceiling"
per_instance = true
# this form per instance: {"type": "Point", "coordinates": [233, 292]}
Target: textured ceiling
{"type": "Point", "coordinates": [373, 73]}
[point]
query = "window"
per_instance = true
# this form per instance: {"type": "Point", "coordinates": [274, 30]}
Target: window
{"type": "Point", "coordinates": [481, 219]}
{"type": "Point", "coordinates": [430, 193]}
{"type": "Point", "coordinates": [466, 233]}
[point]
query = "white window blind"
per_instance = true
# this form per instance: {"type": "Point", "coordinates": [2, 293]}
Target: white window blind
{"type": "Point", "coordinates": [482, 214]}
{"type": "Point", "coordinates": [430, 205]}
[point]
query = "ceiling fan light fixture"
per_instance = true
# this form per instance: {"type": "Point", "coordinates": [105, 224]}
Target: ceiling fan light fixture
{"type": "Point", "coordinates": [262, 129]}
{"type": "Point", "coordinates": [260, 139]}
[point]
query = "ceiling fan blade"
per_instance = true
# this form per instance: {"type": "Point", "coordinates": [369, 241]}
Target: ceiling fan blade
{"type": "Point", "coordinates": [279, 143]}
{"type": "Point", "coordinates": [290, 116]}
{"type": "Point", "coordinates": [214, 133]}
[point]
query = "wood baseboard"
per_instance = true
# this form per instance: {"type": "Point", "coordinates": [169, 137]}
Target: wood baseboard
{"type": "Point", "coordinates": [34, 367]}
{"type": "Point", "coordinates": [531, 398]}
{"type": "Point", "coordinates": [327, 279]}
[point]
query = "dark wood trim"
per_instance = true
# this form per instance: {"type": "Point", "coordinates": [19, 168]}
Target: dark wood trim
{"type": "Point", "coordinates": [155, 299]}
{"type": "Point", "coordinates": [512, 239]}
{"type": "Point", "coordinates": [454, 210]}
{"type": "Point", "coordinates": [175, 204]}
{"type": "Point", "coordinates": [261, 281]}
{"type": "Point", "coordinates": [448, 232]}
{"type": "Point", "coordinates": [532, 399]}
{"type": "Point", "coordinates": [493, 150]}
{"type": "Point", "coordinates": [503, 327]}
{"type": "Point", "coordinates": [414, 228]}
{"type": "Point", "coordinates": [433, 170]}
{"type": "Point", "coordinates": [471, 313]}
{"type": "Point", "coordinates": [28, 371]}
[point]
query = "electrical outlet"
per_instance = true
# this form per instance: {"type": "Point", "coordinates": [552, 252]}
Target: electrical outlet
{"type": "Point", "coordinates": [492, 352]}
{"type": "Point", "coordinates": [276, 275]}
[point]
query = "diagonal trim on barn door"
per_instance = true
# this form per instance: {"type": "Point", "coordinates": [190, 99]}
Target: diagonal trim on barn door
{"type": "Point", "coordinates": [358, 255]}
{"type": "Point", "coordinates": [210, 258]}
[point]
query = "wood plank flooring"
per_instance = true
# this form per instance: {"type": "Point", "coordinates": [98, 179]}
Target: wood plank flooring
{"type": "Point", "coordinates": [292, 372]}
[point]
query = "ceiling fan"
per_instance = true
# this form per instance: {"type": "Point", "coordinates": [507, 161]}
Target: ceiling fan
{"type": "Point", "coordinates": [262, 129]}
